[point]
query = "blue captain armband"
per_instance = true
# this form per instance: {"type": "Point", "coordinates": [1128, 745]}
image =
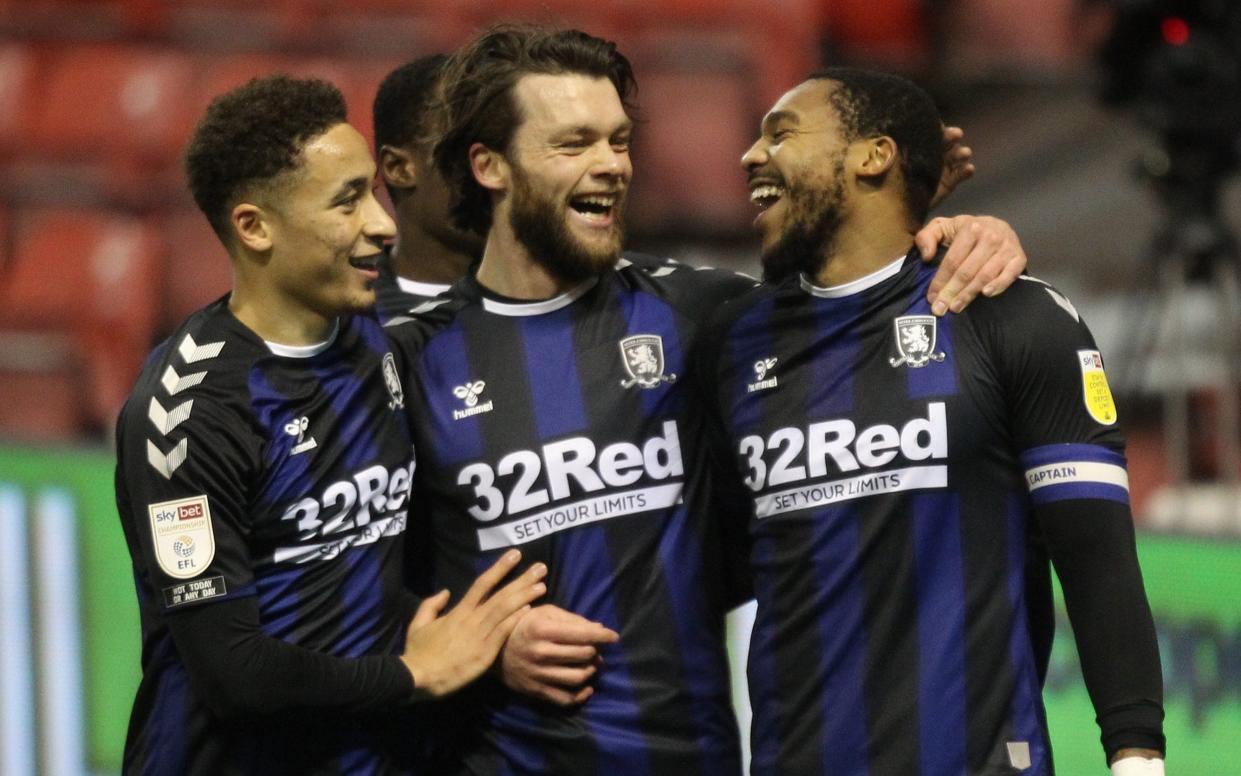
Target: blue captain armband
{"type": "Point", "coordinates": [1069, 471]}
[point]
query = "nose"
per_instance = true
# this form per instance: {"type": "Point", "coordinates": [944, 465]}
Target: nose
{"type": "Point", "coordinates": [612, 163]}
{"type": "Point", "coordinates": [377, 223]}
{"type": "Point", "coordinates": [755, 156]}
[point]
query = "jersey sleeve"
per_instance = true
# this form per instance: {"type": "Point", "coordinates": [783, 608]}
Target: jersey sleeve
{"type": "Point", "coordinates": [1062, 416]}
{"type": "Point", "coordinates": [1065, 428]}
{"type": "Point", "coordinates": [185, 465]}
{"type": "Point", "coordinates": [729, 502]}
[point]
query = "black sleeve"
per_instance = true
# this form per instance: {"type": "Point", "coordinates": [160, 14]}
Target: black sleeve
{"type": "Point", "coordinates": [239, 671]}
{"type": "Point", "coordinates": [1091, 543]}
{"type": "Point", "coordinates": [1065, 428]}
{"type": "Point", "coordinates": [728, 501]}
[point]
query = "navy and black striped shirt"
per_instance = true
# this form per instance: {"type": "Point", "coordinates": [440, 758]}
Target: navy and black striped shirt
{"type": "Point", "coordinates": [565, 428]}
{"type": "Point", "coordinates": [893, 461]}
{"type": "Point", "coordinates": [281, 474]}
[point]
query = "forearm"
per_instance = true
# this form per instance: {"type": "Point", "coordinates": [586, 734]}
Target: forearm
{"type": "Point", "coordinates": [1092, 546]}
{"type": "Point", "coordinates": [240, 671]}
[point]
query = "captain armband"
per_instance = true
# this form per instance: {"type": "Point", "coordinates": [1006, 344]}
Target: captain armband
{"type": "Point", "coordinates": [1073, 471]}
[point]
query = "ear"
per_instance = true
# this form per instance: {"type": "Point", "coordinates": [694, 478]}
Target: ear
{"type": "Point", "coordinates": [251, 227]}
{"type": "Point", "coordinates": [879, 155]}
{"type": "Point", "coordinates": [490, 168]}
{"type": "Point", "coordinates": [397, 167]}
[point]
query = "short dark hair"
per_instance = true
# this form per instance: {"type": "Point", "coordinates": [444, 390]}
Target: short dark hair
{"type": "Point", "coordinates": [405, 95]}
{"type": "Point", "coordinates": [251, 135]}
{"type": "Point", "coordinates": [478, 95]}
{"type": "Point", "coordinates": [873, 104]}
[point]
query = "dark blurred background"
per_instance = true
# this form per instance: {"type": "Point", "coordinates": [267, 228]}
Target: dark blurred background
{"type": "Point", "coordinates": [1105, 131]}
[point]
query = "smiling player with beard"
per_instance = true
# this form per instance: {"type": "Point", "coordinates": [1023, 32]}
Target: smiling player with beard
{"type": "Point", "coordinates": [898, 464]}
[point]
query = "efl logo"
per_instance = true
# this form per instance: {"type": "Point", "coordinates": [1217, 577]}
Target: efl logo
{"type": "Point", "coordinates": [183, 537]}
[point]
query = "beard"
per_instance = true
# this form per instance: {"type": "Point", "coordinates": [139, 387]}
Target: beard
{"type": "Point", "coordinates": [807, 242]}
{"type": "Point", "coordinates": [539, 225]}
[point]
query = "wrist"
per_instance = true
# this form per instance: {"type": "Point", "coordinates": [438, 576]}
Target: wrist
{"type": "Point", "coordinates": [1137, 766]}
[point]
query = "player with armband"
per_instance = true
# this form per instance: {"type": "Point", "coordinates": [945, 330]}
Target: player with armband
{"type": "Point", "coordinates": [900, 466]}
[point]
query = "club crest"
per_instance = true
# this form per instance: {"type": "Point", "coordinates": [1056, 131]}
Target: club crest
{"type": "Point", "coordinates": [915, 341]}
{"type": "Point", "coordinates": [643, 358]}
{"type": "Point", "coordinates": [393, 382]}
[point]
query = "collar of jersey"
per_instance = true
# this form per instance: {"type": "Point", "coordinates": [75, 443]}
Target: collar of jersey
{"type": "Point", "coordinates": [420, 288]}
{"type": "Point", "coordinates": [853, 286]}
{"type": "Point", "coordinates": [518, 309]}
{"type": "Point", "coordinates": [305, 351]}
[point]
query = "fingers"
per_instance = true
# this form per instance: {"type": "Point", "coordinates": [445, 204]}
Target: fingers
{"type": "Point", "coordinates": [984, 254]}
{"type": "Point", "coordinates": [487, 581]}
{"type": "Point", "coordinates": [562, 697]}
{"type": "Point", "coordinates": [553, 624]}
{"type": "Point", "coordinates": [930, 236]}
{"type": "Point", "coordinates": [513, 596]}
{"type": "Point", "coordinates": [429, 609]}
{"type": "Point", "coordinates": [1007, 276]}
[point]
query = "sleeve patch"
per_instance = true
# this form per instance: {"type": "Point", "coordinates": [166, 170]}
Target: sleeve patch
{"type": "Point", "coordinates": [183, 538]}
{"type": "Point", "coordinates": [1060, 472]}
{"type": "Point", "coordinates": [1095, 391]}
{"type": "Point", "coordinates": [195, 591]}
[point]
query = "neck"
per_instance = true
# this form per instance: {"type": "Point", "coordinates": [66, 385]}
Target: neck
{"type": "Point", "coordinates": [508, 268]}
{"type": "Point", "coordinates": [276, 318]}
{"type": "Point", "coordinates": [865, 242]}
{"type": "Point", "coordinates": [420, 256]}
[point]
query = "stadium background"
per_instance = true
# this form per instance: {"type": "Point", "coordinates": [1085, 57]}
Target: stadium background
{"type": "Point", "coordinates": [101, 253]}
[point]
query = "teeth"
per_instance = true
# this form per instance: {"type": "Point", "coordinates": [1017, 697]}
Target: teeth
{"type": "Point", "coordinates": [601, 200]}
{"type": "Point", "coordinates": [765, 193]}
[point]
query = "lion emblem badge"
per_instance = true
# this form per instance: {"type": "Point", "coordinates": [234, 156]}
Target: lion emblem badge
{"type": "Point", "coordinates": [915, 341]}
{"type": "Point", "coordinates": [643, 358]}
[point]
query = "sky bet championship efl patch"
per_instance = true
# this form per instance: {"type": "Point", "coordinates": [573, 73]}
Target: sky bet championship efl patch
{"type": "Point", "coordinates": [1098, 396]}
{"type": "Point", "coordinates": [182, 535]}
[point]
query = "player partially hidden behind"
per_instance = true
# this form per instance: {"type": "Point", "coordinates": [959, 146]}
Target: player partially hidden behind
{"type": "Point", "coordinates": [264, 470]}
{"type": "Point", "coordinates": [897, 462]}
{"type": "Point", "coordinates": [430, 252]}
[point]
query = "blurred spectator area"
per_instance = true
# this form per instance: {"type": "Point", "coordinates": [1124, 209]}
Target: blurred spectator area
{"type": "Point", "coordinates": [102, 251]}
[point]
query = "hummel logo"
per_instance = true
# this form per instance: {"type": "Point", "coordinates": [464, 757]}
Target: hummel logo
{"type": "Point", "coordinates": [166, 421]}
{"type": "Point", "coordinates": [761, 368]}
{"type": "Point", "coordinates": [167, 464]}
{"type": "Point", "coordinates": [192, 351]}
{"type": "Point", "coordinates": [175, 383]}
{"type": "Point", "coordinates": [469, 394]}
{"type": "Point", "coordinates": [298, 429]}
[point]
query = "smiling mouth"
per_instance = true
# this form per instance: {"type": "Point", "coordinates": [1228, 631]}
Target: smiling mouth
{"type": "Point", "coordinates": [595, 207]}
{"type": "Point", "coordinates": [764, 194]}
{"type": "Point", "coordinates": [365, 262]}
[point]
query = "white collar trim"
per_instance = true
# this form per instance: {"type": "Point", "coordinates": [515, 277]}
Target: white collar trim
{"type": "Point", "coordinates": [305, 351]}
{"type": "Point", "coordinates": [420, 288]}
{"type": "Point", "coordinates": [520, 309]}
{"type": "Point", "coordinates": [853, 286]}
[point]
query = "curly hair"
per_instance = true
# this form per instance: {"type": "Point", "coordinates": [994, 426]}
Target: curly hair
{"type": "Point", "coordinates": [478, 94]}
{"type": "Point", "coordinates": [252, 135]}
{"type": "Point", "coordinates": [873, 104]}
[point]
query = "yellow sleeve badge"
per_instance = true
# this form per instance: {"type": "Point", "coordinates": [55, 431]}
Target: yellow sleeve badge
{"type": "Point", "coordinates": [1095, 391]}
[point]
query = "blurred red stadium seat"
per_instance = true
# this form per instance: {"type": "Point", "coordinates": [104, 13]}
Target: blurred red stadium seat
{"type": "Point", "coordinates": [111, 99]}
{"type": "Point", "coordinates": [198, 269]}
{"type": "Point", "coordinates": [16, 81]}
{"type": "Point", "coordinates": [93, 279]}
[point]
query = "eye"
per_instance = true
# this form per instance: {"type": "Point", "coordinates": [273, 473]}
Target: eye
{"type": "Point", "coordinates": [350, 202]}
{"type": "Point", "coordinates": [780, 135]}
